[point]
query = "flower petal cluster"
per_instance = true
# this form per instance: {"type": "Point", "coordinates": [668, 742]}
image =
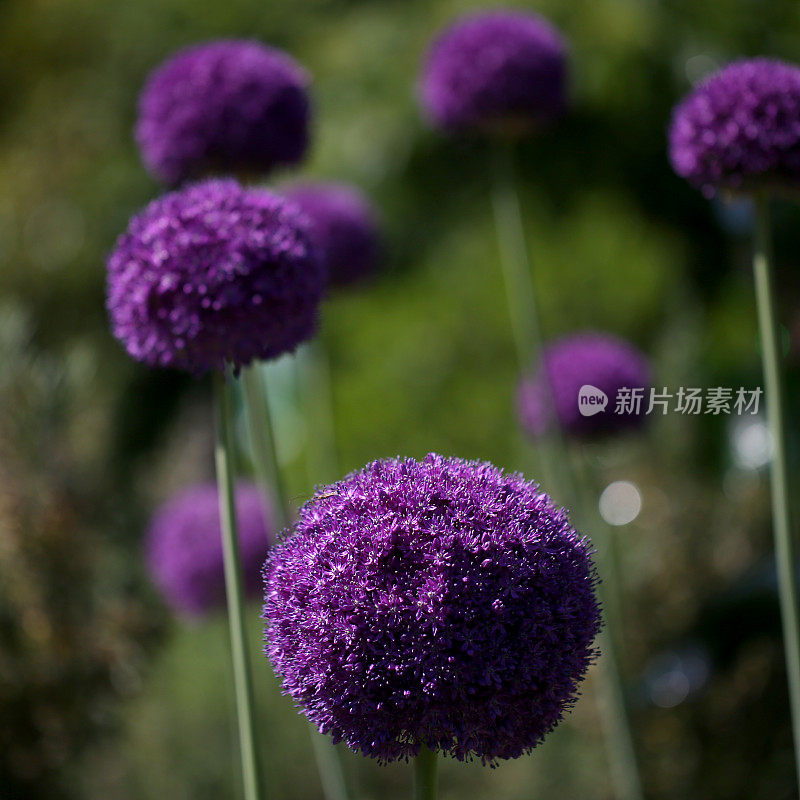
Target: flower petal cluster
{"type": "Point", "coordinates": [226, 106]}
{"type": "Point", "coordinates": [592, 359]}
{"type": "Point", "coordinates": [440, 603]}
{"type": "Point", "coordinates": [184, 547]}
{"type": "Point", "coordinates": [740, 129]}
{"type": "Point", "coordinates": [495, 71]}
{"type": "Point", "coordinates": [345, 227]}
{"type": "Point", "coordinates": [214, 274]}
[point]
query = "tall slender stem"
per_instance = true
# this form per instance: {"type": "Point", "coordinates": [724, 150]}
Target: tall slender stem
{"type": "Point", "coordinates": [262, 434]}
{"type": "Point", "coordinates": [614, 716]}
{"type": "Point", "coordinates": [516, 266]}
{"type": "Point", "coordinates": [520, 295]}
{"type": "Point", "coordinates": [616, 724]}
{"type": "Point", "coordinates": [604, 537]}
{"type": "Point", "coordinates": [315, 377]}
{"type": "Point", "coordinates": [524, 315]}
{"type": "Point", "coordinates": [233, 586]}
{"type": "Point", "coordinates": [329, 766]}
{"type": "Point", "coordinates": [769, 329]}
{"type": "Point", "coordinates": [262, 441]}
{"type": "Point", "coordinates": [425, 774]}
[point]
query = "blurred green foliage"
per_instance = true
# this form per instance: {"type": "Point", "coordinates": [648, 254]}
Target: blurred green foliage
{"type": "Point", "coordinates": [75, 626]}
{"type": "Point", "coordinates": [421, 360]}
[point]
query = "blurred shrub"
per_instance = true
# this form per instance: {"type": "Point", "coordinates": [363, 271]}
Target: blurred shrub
{"type": "Point", "coordinates": [74, 630]}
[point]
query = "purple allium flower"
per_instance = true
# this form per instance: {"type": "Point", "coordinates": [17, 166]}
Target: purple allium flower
{"type": "Point", "coordinates": [214, 274]}
{"type": "Point", "coordinates": [183, 547]}
{"type": "Point", "coordinates": [226, 106]}
{"type": "Point", "coordinates": [496, 70]}
{"type": "Point", "coordinates": [740, 128]}
{"type": "Point", "coordinates": [345, 227]}
{"type": "Point", "coordinates": [439, 602]}
{"type": "Point", "coordinates": [592, 359]}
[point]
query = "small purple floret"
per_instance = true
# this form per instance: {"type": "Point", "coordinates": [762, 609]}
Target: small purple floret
{"type": "Point", "coordinates": [223, 107]}
{"type": "Point", "coordinates": [440, 603]}
{"type": "Point", "coordinates": [496, 70]}
{"type": "Point", "coordinates": [345, 227]}
{"type": "Point", "coordinates": [589, 359]}
{"type": "Point", "coordinates": [184, 548]}
{"type": "Point", "coordinates": [213, 275]}
{"type": "Point", "coordinates": [740, 129]}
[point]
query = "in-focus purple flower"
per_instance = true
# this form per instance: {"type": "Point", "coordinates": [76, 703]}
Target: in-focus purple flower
{"type": "Point", "coordinates": [440, 603]}
{"type": "Point", "coordinates": [495, 71]}
{"type": "Point", "coordinates": [345, 227]}
{"type": "Point", "coordinates": [740, 128]}
{"type": "Point", "coordinates": [183, 547]}
{"type": "Point", "coordinates": [594, 360]}
{"type": "Point", "coordinates": [214, 274]}
{"type": "Point", "coordinates": [223, 107]}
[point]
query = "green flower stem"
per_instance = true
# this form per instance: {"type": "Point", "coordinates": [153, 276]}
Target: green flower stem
{"type": "Point", "coordinates": [614, 716]}
{"type": "Point", "coordinates": [612, 595]}
{"type": "Point", "coordinates": [769, 329]}
{"type": "Point", "coordinates": [329, 766]}
{"type": "Point", "coordinates": [524, 315]}
{"type": "Point", "coordinates": [516, 266]}
{"type": "Point", "coordinates": [315, 380]}
{"type": "Point", "coordinates": [262, 440]}
{"type": "Point", "coordinates": [224, 458]}
{"type": "Point", "coordinates": [604, 538]}
{"type": "Point", "coordinates": [520, 295]}
{"type": "Point", "coordinates": [425, 774]}
{"type": "Point", "coordinates": [616, 725]}
{"type": "Point", "coordinates": [262, 436]}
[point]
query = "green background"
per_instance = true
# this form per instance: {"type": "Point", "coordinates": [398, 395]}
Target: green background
{"type": "Point", "coordinates": [102, 694]}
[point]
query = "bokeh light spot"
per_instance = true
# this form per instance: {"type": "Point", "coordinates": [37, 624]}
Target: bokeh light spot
{"type": "Point", "coordinates": [620, 503]}
{"type": "Point", "coordinates": [751, 442]}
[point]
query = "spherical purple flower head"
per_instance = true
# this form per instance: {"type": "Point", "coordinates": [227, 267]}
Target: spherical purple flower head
{"type": "Point", "coordinates": [227, 106]}
{"type": "Point", "coordinates": [594, 360]}
{"type": "Point", "coordinates": [440, 602]}
{"type": "Point", "coordinates": [183, 547]}
{"type": "Point", "coordinates": [345, 227]}
{"type": "Point", "coordinates": [495, 71]}
{"type": "Point", "coordinates": [214, 274]}
{"type": "Point", "coordinates": [740, 129]}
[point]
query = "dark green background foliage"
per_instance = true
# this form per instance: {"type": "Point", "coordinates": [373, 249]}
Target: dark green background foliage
{"type": "Point", "coordinates": [101, 695]}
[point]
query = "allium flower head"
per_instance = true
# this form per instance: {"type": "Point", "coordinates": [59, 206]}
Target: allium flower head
{"type": "Point", "coordinates": [495, 71]}
{"type": "Point", "coordinates": [183, 547]}
{"type": "Point", "coordinates": [223, 107]}
{"type": "Point", "coordinates": [740, 128]}
{"type": "Point", "coordinates": [345, 227]}
{"type": "Point", "coordinates": [588, 359]}
{"type": "Point", "coordinates": [439, 602]}
{"type": "Point", "coordinates": [214, 274]}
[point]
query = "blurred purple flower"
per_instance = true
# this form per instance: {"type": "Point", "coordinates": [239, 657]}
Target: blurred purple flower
{"type": "Point", "coordinates": [223, 107]}
{"type": "Point", "coordinates": [183, 547]}
{"type": "Point", "coordinates": [440, 603]}
{"type": "Point", "coordinates": [345, 227]}
{"type": "Point", "coordinates": [740, 128]}
{"type": "Point", "coordinates": [495, 71]}
{"type": "Point", "coordinates": [584, 359]}
{"type": "Point", "coordinates": [214, 274]}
